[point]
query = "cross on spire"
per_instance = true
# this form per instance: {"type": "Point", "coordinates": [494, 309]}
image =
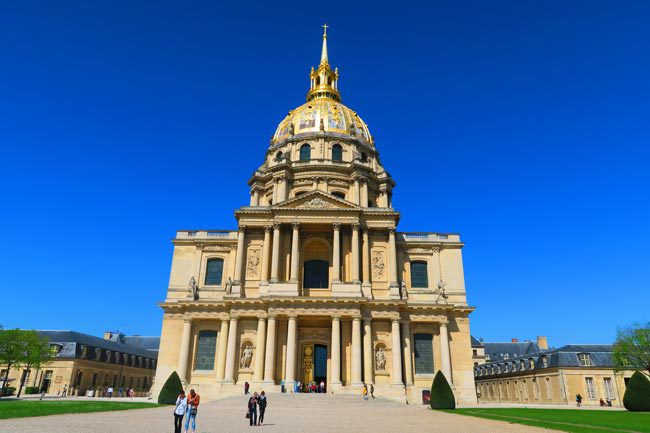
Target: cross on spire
{"type": "Point", "coordinates": [325, 27]}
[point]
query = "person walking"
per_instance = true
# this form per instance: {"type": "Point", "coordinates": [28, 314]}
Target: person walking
{"type": "Point", "coordinates": [578, 399]}
{"type": "Point", "coordinates": [372, 390]}
{"type": "Point", "coordinates": [252, 409]}
{"type": "Point", "coordinates": [120, 391]}
{"type": "Point", "coordinates": [65, 390]}
{"type": "Point", "coordinates": [192, 408]}
{"type": "Point", "coordinates": [322, 386]}
{"type": "Point", "coordinates": [261, 402]}
{"type": "Point", "coordinates": [179, 412]}
{"type": "Point", "coordinates": [246, 387]}
{"type": "Point", "coordinates": [110, 392]}
{"type": "Point", "coordinates": [364, 391]}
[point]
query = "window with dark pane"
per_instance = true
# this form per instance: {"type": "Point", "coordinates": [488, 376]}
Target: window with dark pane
{"type": "Point", "coordinates": [337, 153]}
{"type": "Point", "coordinates": [214, 272]}
{"type": "Point", "coordinates": [423, 353]}
{"type": "Point", "coordinates": [419, 274]}
{"type": "Point", "coordinates": [305, 152]}
{"type": "Point", "coordinates": [205, 350]}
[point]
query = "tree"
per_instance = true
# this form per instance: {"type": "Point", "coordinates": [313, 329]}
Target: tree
{"type": "Point", "coordinates": [632, 347]}
{"type": "Point", "coordinates": [442, 397]}
{"type": "Point", "coordinates": [170, 390]}
{"type": "Point", "coordinates": [36, 353]}
{"type": "Point", "coordinates": [637, 393]}
{"type": "Point", "coordinates": [11, 350]}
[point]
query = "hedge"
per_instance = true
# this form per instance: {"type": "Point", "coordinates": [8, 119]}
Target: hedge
{"type": "Point", "coordinates": [442, 397]}
{"type": "Point", "coordinates": [637, 393]}
{"type": "Point", "coordinates": [170, 390]}
{"type": "Point", "coordinates": [31, 390]}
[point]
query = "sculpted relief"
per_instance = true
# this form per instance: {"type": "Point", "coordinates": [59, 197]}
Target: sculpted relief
{"type": "Point", "coordinates": [252, 268]}
{"type": "Point", "coordinates": [378, 266]}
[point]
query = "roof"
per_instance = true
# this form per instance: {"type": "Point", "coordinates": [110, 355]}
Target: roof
{"type": "Point", "coordinates": [505, 351]}
{"type": "Point", "coordinates": [475, 342]}
{"type": "Point", "coordinates": [147, 343]}
{"type": "Point", "coordinates": [71, 342]}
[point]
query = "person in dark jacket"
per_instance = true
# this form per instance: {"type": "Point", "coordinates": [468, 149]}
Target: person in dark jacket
{"type": "Point", "coordinates": [261, 402]}
{"type": "Point", "coordinates": [252, 409]}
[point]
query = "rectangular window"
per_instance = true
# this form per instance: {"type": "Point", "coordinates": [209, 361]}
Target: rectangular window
{"type": "Point", "coordinates": [423, 353]}
{"type": "Point", "coordinates": [584, 359]}
{"type": "Point", "coordinates": [591, 389]}
{"type": "Point", "coordinates": [214, 272]}
{"type": "Point", "coordinates": [207, 345]}
{"type": "Point", "coordinates": [609, 392]}
{"type": "Point", "coordinates": [419, 276]}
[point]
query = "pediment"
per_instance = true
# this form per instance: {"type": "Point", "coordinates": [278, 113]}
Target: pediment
{"type": "Point", "coordinates": [316, 200]}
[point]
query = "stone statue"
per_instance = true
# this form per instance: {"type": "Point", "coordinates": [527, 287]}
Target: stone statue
{"type": "Point", "coordinates": [246, 357]}
{"type": "Point", "coordinates": [441, 291]}
{"type": "Point", "coordinates": [229, 286]}
{"type": "Point", "coordinates": [193, 289]}
{"type": "Point", "coordinates": [402, 290]}
{"type": "Point", "coordinates": [380, 359]}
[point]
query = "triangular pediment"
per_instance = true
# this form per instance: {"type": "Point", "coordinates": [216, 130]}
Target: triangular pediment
{"type": "Point", "coordinates": [316, 200]}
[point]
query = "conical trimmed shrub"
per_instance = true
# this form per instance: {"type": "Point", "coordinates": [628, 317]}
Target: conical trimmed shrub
{"type": "Point", "coordinates": [442, 397]}
{"type": "Point", "coordinates": [637, 393]}
{"type": "Point", "coordinates": [170, 390]}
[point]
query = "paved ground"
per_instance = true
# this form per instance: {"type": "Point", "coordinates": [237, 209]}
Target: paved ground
{"type": "Point", "coordinates": [287, 413]}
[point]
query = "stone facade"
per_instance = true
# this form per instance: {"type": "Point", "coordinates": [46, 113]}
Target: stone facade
{"type": "Point", "coordinates": [317, 283]}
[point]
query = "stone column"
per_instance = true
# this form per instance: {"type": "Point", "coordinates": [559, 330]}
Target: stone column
{"type": "Point", "coordinates": [392, 257]}
{"type": "Point", "coordinates": [266, 255]}
{"type": "Point", "coordinates": [223, 346]}
{"type": "Point", "coordinates": [255, 197]}
{"type": "Point", "coordinates": [355, 254]}
{"type": "Point", "coordinates": [368, 356]}
{"type": "Point", "coordinates": [282, 189]}
{"type": "Point", "coordinates": [275, 191]}
{"type": "Point", "coordinates": [396, 376]}
{"type": "Point", "coordinates": [291, 352]}
{"type": "Point", "coordinates": [356, 351]}
{"type": "Point", "coordinates": [408, 362]}
{"type": "Point", "coordinates": [239, 262]}
{"type": "Point", "coordinates": [184, 352]}
{"type": "Point", "coordinates": [357, 192]}
{"type": "Point", "coordinates": [231, 353]}
{"type": "Point", "coordinates": [335, 367]}
{"type": "Point", "coordinates": [336, 259]}
{"type": "Point", "coordinates": [365, 258]}
{"type": "Point", "coordinates": [275, 256]}
{"type": "Point", "coordinates": [260, 341]}
{"type": "Point", "coordinates": [364, 193]}
{"type": "Point", "coordinates": [295, 252]}
{"type": "Point", "coordinates": [444, 352]}
{"type": "Point", "coordinates": [269, 361]}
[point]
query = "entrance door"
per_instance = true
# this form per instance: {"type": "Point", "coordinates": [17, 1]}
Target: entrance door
{"type": "Point", "coordinates": [320, 364]}
{"type": "Point", "coordinates": [316, 274]}
{"type": "Point", "coordinates": [47, 380]}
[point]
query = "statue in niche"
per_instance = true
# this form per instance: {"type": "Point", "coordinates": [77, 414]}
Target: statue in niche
{"type": "Point", "coordinates": [193, 289]}
{"type": "Point", "coordinates": [229, 286]}
{"type": "Point", "coordinates": [441, 291]}
{"type": "Point", "coordinates": [380, 359]}
{"type": "Point", "coordinates": [246, 356]}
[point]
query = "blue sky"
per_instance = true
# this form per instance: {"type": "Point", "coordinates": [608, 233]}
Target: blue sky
{"type": "Point", "coordinates": [121, 122]}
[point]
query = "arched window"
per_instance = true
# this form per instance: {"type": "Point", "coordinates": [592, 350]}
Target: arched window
{"type": "Point", "coordinates": [419, 274]}
{"type": "Point", "coordinates": [337, 153]}
{"type": "Point", "coordinates": [205, 350]}
{"type": "Point", "coordinates": [214, 272]}
{"type": "Point", "coordinates": [279, 156]}
{"type": "Point", "coordinates": [364, 157]}
{"type": "Point", "coordinates": [423, 353]}
{"type": "Point", "coordinates": [339, 194]}
{"type": "Point", "coordinates": [305, 152]}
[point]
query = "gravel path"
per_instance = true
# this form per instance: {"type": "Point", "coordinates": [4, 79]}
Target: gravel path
{"type": "Point", "coordinates": [286, 413]}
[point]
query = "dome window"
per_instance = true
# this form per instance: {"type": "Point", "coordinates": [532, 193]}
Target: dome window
{"type": "Point", "coordinates": [364, 157]}
{"type": "Point", "coordinates": [305, 153]}
{"type": "Point", "coordinates": [337, 153]}
{"type": "Point", "coordinates": [279, 156]}
{"type": "Point", "coordinates": [339, 195]}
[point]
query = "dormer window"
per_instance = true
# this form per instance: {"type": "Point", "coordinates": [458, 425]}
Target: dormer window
{"type": "Point", "coordinates": [531, 363]}
{"type": "Point", "coordinates": [522, 365]}
{"type": "Point", "coordinates": [506, 356]}
{"type": "Point", "coordinates": [585, 360]}
{"type": "Point", "coordinates": [544, 361]}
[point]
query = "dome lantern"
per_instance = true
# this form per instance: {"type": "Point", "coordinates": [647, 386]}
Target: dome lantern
{"type": "Point", "coordinates": [324, 81]}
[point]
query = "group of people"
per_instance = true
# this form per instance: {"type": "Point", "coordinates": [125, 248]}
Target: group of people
{"type": "Point", "coordinates": [186, 406]}
{"type": "Point", "coordinates": [602, 402]}
{"type": "Point", "coordinates": [365, 391]}
{"type": "Point", "coordinates": [255, 401]}
{"type": "Point", "coordinates": [309, 387]}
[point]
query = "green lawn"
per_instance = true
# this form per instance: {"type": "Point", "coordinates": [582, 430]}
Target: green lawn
{"type": "Point", "coordinates": [27, 408]}
{"type": "Point", "coordinates": [569, 420]}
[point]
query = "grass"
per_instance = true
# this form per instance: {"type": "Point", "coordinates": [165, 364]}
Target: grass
{"type": "Point", "coordinates": [568, 420]}
{"type": "Point", "coordinates": [28, 408]}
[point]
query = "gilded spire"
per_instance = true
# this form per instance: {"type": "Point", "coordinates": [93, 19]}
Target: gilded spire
{"type": "Point", "coordinates": [323, 56]}
{"type": "Point", "coordinates": [324, 81]}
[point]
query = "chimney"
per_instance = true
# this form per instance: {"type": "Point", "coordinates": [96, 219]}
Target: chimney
{"type": "Point", "coordinates": [108, 335]}
{"type": "Point", "coordinates": [514, 340]}
{"type": "Point", "coordinates": [542, 342]}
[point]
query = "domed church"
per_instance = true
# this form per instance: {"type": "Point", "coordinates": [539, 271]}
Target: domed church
{"type": "Point", "coordinates": [316, 284]}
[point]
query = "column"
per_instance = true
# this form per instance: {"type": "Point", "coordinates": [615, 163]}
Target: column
{"type": "Point", "coordinates": [365, 258]}
{"type": "Point", "coordinates": [368, 356]}
{"type": "Point", "coordinates": [336, 259]}
{"type": "Point", "coordinates": [437, 277]}
{"type": "Point", "coordinates": [364, 193]}
{"type": "Point", "coordinates": [295, 252]}
{"type": "Point", "coordinates": [266, 255]}
{"type": "Point", "coordinates": [335, 367]}
{"type": "Point", "coordinates": [221, 353]}
{"type": "Point", "coordinates": [291, 352]}
{"type": "Point", "coordinates": [392, 257]}
{"type": "Point", "coordinates": [275, 191]}
{"type": "Point", "coordinates": [239, 262]}
{"type": "Point", "coordinates": [356, 351]}
{"type": "Point", "coordinates": [444, 352]}
{"type": "Point", "coordinates": [408, 362]}
{"type": "Point", "coordinates": [357, 192]}
{"type": "Point", "coordinates": [396, 376]}
{"type": "Point", "coordinates": [269, 361]}
{"type": "Point", "coordinates": [355, 254]}
{"type": "Point", "coordinates": [282, 189]}
{"type": "Point", "coordinates": [231, 353]}
{"type": "Point", "coordinates": [184, 353]}
{"type": "Point", "coordinates": [275, 256]}
{"type": "Point", "coordinates": [260, 341]}
{"type": "Point", "coordinates": [255, 196]}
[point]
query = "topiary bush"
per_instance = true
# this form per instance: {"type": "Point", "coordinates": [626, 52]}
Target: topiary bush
{"type": "Point", "coordinates": [637, 393]}
{"type": "Point", "coordinates": [442, 397]}
{"type": "Point", "coordinates": [170, 390]}
{"type": "Point", "coordinates": [9, 390]}
{"type": "Point", "coordinates": [31, 390]}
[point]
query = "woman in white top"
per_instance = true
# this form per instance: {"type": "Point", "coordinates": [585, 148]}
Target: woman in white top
{"type": "Point", "coordinates": [179, 412]}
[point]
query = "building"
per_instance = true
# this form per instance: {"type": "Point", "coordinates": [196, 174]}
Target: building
{"type": "Point", "coordinates": [83, 363]}
{"type": "Point", "coordinates": [317, 284]}
{"type": "Point", "coordinates": [550, 376]}
{"type": "Point", "coordinates": [478, 351]}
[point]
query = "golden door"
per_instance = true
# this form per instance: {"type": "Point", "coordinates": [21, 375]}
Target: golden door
{"type": "Point", "coordinates": [307, 363]}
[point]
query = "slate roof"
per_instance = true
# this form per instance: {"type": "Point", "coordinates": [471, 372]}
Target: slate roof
{"type": "Point", "coordinates": [501, 351]}
{"type": "Point", "coordinates": [71, 342]}
{"type": "Point", "coordinates": [475, 342]}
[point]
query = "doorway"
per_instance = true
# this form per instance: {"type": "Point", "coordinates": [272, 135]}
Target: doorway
{"type": "Point", "coordinates": [314, 364]}
{"type": "Point", "coordinates": [316, 274]}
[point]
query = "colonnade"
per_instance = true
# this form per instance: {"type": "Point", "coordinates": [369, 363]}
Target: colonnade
{"type": "Point", "coordinates": [362, 351]}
